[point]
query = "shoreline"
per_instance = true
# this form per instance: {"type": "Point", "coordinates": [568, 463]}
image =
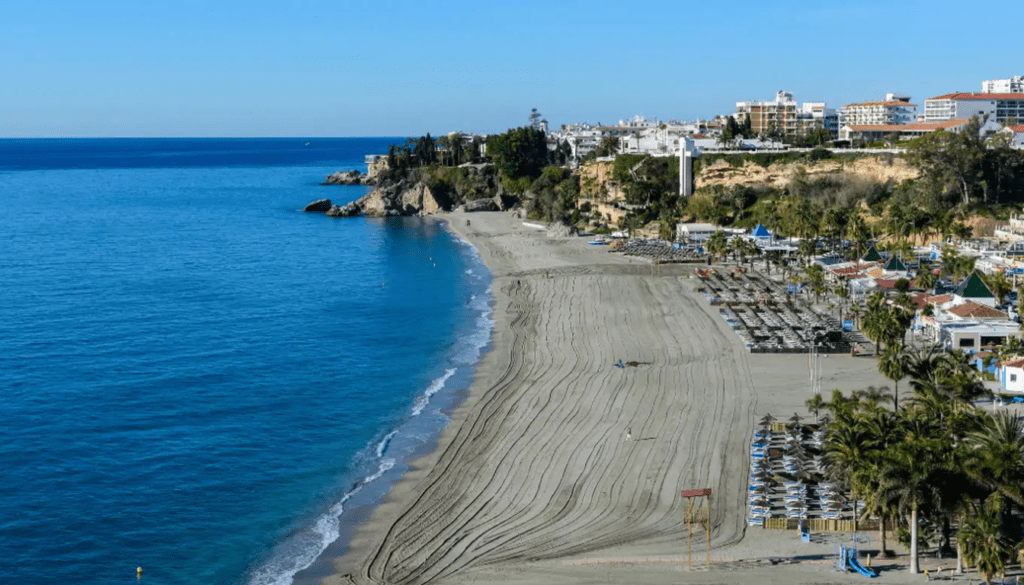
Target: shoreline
{"type": "Point", "coordinates": [433, 407]}
{"type": "Point", "coordinates": [533, 480]}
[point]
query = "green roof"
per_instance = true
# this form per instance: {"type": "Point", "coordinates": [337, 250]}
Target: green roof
{"type": "Point", "coordinates": [973, 287]}
{"type": "Point", "coordinates": [872, 255]}
{"type": "Point", "coordinates": [895, 264]}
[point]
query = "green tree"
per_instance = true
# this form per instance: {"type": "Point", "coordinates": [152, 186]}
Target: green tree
{"type": "Point", "coordinates": [816, 279]}
{"type": "Point", "coordinates": [984, 545]}
{"type": "Point", "coordinates": [894, 365]}
{"type": "Point", "coordinates": [905, 474]}
{"type": "Point", "coordinates": [521, 152]}
{"type": "Point", "coordinates": [947, 159]}
{"type": "Point", "coordinates": [717, 244]}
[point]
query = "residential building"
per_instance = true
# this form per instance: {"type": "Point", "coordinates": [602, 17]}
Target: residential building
{"type": "Point", "coordinates": [1011, 374]}
{"type": "Point", "coordinates": [997, 107]}
{"type": "Point", "coordinates": [1014, 84]}
{"type": "Point", "coordinates": [767, 117]}
{"type": "Point", "coordinates": [893, 110]}
{"type": "Point", "coordinates": [873, 132]}
{"type": "Point", "coordinates": [1016, 133]}
{"type": "Point", "coordinates": [816, 116]}
{"type": "Point", "coordinates": [695, 232]}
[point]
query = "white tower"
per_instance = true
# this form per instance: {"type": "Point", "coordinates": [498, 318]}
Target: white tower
{"type": "Point", "coordinates": [687, 152]}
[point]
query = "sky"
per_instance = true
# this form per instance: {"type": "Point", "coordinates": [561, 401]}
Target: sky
{"type": "Point", "coordinates": [155, 68]}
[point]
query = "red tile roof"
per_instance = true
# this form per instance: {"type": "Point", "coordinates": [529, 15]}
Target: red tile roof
{"type": "Point", "coordinates": [914, 127]}
{"type": "Point", "coordinates": [979, 96]}
{"type": "Point", "coordinates": [920, 299]}
{"type": "Point", "coordinates": [939, 299]}
{"type": "Point", "coordinates": [881, 103]}
{"type": "Point", "coordinates": [1017, 128]}
{"type": "Point", "coordinates": [971, 309]}
{"type": "Point", "coordinates": [845, 270]}
{"type": "Point", "coordinates": [1017, 362]}
{"type": "Point", "coordinates": [889, 283]}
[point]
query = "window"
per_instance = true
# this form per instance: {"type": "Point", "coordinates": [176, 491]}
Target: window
{"type": "Point", "coordinates": [967, 342]}
{"type": "Point", "coordinates": [1013, 377]}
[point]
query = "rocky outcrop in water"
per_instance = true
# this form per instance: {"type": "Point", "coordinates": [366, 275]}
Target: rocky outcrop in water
{"type": "Point", "coordinates": [427, 191]}
{"type": "Point", "coordinates": [347, 210]}
{"type": "Point", "coordinates": [319, 206]}
{"type": "Point", "coordinates": [348, 178]}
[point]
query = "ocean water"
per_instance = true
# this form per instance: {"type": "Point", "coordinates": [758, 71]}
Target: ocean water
{"type": "Point", "coordinates": [196, 377]}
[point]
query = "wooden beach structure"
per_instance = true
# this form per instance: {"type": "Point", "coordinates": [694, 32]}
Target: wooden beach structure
{"type": "Point", "coordinates": [693, 516]}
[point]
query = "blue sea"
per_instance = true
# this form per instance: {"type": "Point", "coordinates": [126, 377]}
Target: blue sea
{"type": "Point", "coordinates": [201, 380]}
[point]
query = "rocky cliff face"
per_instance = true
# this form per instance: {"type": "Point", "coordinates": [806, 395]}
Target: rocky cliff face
{"type": "Point", "coordinates": [428, 191]}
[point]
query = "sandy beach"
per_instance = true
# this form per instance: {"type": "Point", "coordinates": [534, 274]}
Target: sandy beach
{"type": "Point", "coordinates": [562, 468]}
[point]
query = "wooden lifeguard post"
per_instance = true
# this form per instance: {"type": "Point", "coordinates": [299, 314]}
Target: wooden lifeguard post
{"type": "Point", "coordinates": [693, 516]}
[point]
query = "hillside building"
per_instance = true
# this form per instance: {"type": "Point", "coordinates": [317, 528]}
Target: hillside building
{"type": "Point", "coordinates": [782, 116]}
{"type": "Point", "coordinates": [872, 132]}
{"type": "Point", "coordinates": [997, 107]}
{"type": "Point", "coordinates": [1014, 84]}
{"type": "Point", "coordinates": [893, 110]}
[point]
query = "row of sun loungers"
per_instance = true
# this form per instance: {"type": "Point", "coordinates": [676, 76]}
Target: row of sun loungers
{"type": "Point", "coordinates": [658, 251]}
{"type": "Point", "coordinates": [794, 453]}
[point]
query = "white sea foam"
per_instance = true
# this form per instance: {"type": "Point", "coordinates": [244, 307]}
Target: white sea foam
{"type": "Point", "coordinates": [383, 445]}
{"type": "Point", "coordinates": [300, 551]}
{"type": "Point", "coordinates": [435, 386]}
{"type": "Point", "coordinates": [304, 548]}
{"type": "Point", "coordinates": [381, 470]}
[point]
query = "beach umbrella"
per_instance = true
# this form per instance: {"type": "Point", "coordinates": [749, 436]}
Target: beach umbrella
{"type": "Point", "coordinates": [794, 421]}
{"type": "Point", "coordinates": [767, 420]}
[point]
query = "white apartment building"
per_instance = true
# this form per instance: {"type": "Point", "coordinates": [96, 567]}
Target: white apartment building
{"type": "Point", "coordinates": [814, 115]}
{"type": "Point", "coordinates": [1014, 84]}
{"type": "Point", "coordinates": [893, 110]}
{"type": "Point", "coordinates": [998, 107]}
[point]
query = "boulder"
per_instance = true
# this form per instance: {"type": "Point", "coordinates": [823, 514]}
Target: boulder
{"type": "Point", "coordinates": [480, 205]}
{"type": "Point", "coordinates": [320, 205]}
{"type": "Point", "coordinates": [344, 178]}
{"type": "Point", "coordinates": [349, 210]}
{"type": "Point", "coordinates": [504, 201]}
{"type": "Point", "coordinates": [374, 203]}
{"type": "Point", "coordinates": [560, 230]}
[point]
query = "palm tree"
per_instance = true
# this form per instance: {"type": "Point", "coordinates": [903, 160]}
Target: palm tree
{"type": "Point", "coordinates": [983, 543]}
{"type": "Point", "coordinates": [717, 244]}
{"type": "Point", "coordinates": [905, 474]}
{"type": "Point", "coordinates": [925, 278]}
{"type": "Point", "coordinates": [815, 404]}
{"type": "Point", "coordinates": [880, 324]}
{"type": "Point", "coordinates": [894, 364]}
{"type": "Point", "coordinates": [998, 455]}
{"type": "Point", "coordinates": [816, 279]}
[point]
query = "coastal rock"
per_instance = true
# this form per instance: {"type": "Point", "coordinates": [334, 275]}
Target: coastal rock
{"type": "Point", "coordinates": [560, 230]}
{"type": "Point", "coordinates": [373, 203]}
{"type": "Point", "coordinates": [344, 178]}
{"type": "Point", "coordinates": [480, 205]}
{"type": "Point", "coordinates": [348, 210]}
{"type": "Point", "coordinates": [424, 199]}
{"type": "Point", "coordinates": [504, 201]}
{"type": "Point", "coordinates": [320, 205]}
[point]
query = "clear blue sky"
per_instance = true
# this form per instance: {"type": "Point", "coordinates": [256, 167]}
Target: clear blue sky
{"type": "Point", "coordinates": [394, 67]}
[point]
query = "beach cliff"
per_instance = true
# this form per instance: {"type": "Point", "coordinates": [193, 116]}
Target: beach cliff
{"type": "Point", "coordinates": [422, 191]}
